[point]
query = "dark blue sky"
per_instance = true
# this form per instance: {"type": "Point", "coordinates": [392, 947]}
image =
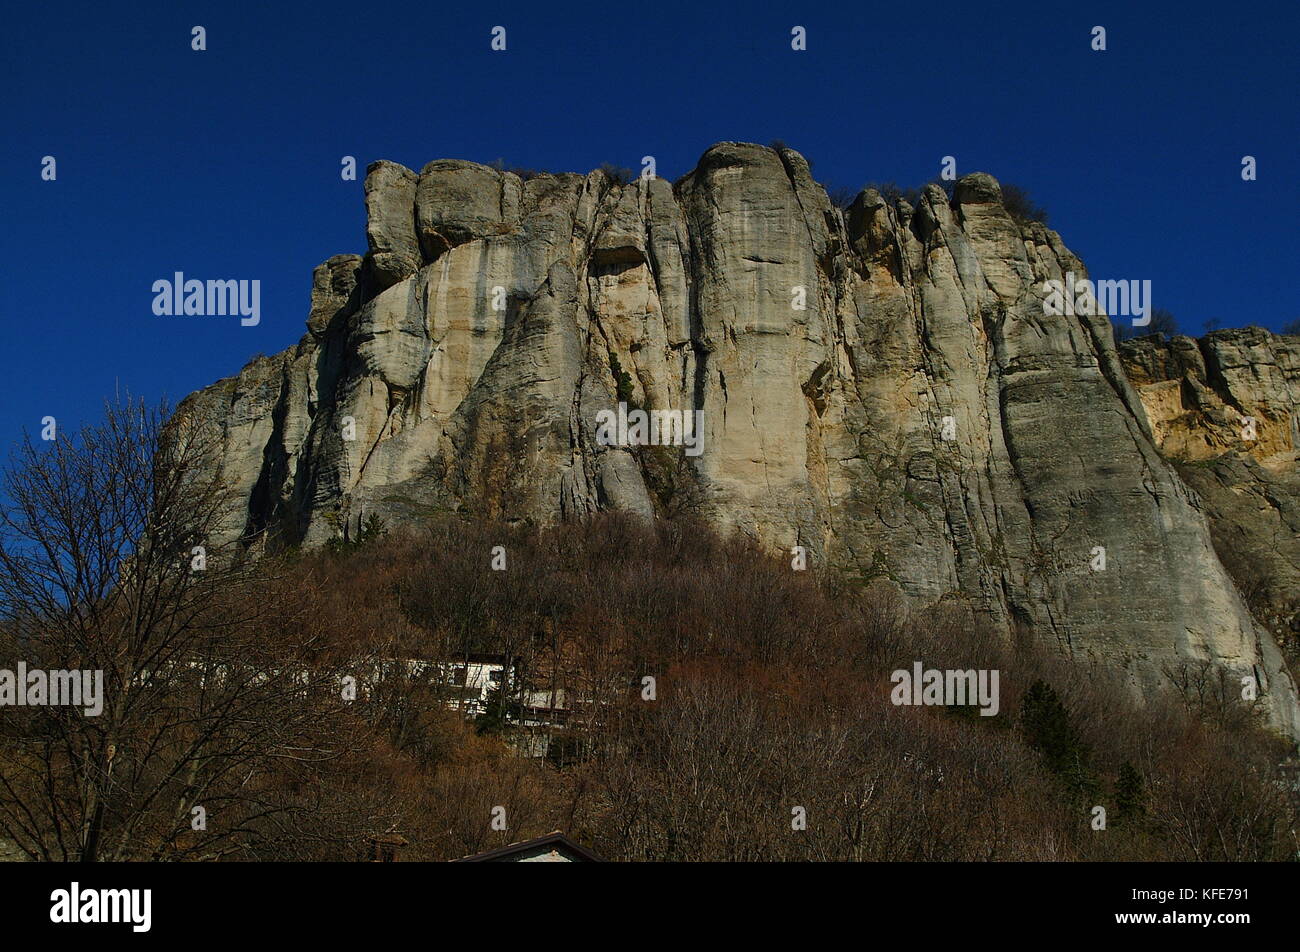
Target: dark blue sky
{"type": "Point", "coordinates": [225, 163]}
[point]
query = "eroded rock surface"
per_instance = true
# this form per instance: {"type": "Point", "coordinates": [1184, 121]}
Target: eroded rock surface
{"type": "Point", "coordinates": [880, 385]}
{"type": "Point", "coordinates": [1226, 410]}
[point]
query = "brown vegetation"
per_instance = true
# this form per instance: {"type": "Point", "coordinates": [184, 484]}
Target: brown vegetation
{"type": "Point", "coordinates": [771, 693]}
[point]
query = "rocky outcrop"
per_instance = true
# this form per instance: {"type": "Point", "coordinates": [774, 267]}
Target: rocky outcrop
{"type": "Point", "coordinates": [1226, 410]}
{"type": "Point", "coordinates": [880, 385]}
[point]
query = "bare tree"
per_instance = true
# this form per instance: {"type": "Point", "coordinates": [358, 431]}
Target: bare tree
{"type": "Point", "coordinates": [107, 566]}
{"type": "Point", "coordinates": [1162, 322]}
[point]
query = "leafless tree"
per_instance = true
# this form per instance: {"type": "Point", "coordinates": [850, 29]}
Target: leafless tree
{"type": "Point", "coordinates": [107, 565]}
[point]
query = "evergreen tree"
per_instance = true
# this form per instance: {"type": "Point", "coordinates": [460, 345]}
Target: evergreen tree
{"type": "Point", "coordinates": [1130, 795]}
{"type": "Point", "coordinates": [1047, 728]}
{"type": "Point", "coordinates": [501, 713]}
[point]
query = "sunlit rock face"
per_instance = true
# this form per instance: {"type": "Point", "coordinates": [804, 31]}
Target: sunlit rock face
{"type": "Point", "coordinates": [881, 385]}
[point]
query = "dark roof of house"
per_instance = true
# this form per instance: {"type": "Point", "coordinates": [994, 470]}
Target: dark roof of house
{"type": "Point", "coordinates": [556, 841]}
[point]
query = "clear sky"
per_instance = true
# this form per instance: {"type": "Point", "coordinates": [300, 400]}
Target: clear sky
{"type": "Point", "coordinates": [225, 163]}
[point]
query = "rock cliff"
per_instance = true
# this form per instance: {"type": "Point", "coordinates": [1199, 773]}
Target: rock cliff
{"type": "Point", "coordinates": [1224, 410]}
{"type": "Point", "coordinates": [880, 385]}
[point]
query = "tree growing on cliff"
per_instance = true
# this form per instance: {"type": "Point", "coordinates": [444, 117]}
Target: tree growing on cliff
{"type": "Point", "coordinates": [617, 174]}
{"type": "Point", "coordinates": [841, 196]}
{"type": "Point", "coordinates": [1162, 322]}
{"type": "Point", "coordinates": [1020, 206]}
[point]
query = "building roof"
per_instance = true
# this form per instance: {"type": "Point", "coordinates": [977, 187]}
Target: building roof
{"type": "Point", "coordinates": [555, 842]}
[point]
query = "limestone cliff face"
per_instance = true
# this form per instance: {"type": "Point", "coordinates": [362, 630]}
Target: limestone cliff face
{"type": "Point", "coordinates": [1226, 410]}
{"type": "Point", "coordinates": [880, 385]}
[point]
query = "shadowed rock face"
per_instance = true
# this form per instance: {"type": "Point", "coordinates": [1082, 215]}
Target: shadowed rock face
{"type": "Point", "coordinates": [880, 385]}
